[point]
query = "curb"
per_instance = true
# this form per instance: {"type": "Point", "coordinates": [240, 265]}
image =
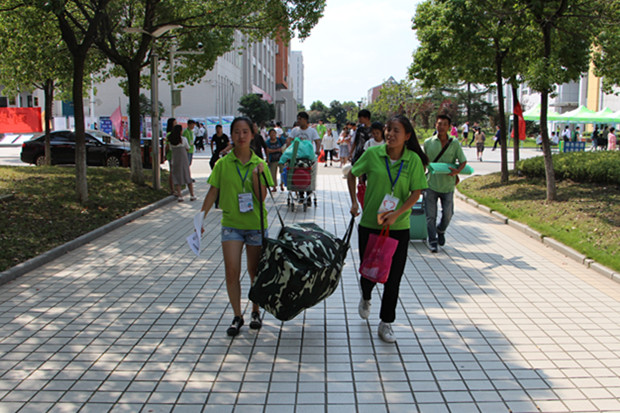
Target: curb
{"type": "Point", "coordinates": [35, 262]}
{"type": "Point", "coordinates": [548, 241]}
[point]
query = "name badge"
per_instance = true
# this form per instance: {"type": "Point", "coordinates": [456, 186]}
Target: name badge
{"type": "Point", "coordinates": [246, 204]}
{"type": "Point", "coordinates": [389, 203]}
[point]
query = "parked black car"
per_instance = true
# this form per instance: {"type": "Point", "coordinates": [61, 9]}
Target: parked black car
{"type": "Point", "coordinates": [101, 149]}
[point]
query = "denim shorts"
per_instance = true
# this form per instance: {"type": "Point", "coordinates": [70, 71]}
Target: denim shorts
{"type": "Point", "coordinates": [247, 236]}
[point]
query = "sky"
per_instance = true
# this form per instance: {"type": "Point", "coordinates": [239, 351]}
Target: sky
{"type": "Point", "coordinates": [357, 44]}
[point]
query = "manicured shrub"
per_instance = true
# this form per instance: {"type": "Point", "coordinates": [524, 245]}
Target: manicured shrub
{"type": "Point", "coordinates": [597, 167]}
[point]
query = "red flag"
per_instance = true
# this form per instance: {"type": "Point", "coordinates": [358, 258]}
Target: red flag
{"type": "Point", "coordinates": [519, 112]}
{"type": "Point", "coordinates": [117, 121]}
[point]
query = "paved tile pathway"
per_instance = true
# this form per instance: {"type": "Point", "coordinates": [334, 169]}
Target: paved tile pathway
{"type": "Point", "coordinates": [496, 322]}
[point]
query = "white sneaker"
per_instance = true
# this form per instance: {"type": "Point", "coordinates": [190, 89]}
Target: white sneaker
{"type": "Point", "coordinates": [386, 333]}
{"type": "Point", "coordinates": [364, 308]}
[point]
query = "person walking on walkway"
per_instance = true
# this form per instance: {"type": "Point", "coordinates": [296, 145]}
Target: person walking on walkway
{"type": "Point", "coordinates": [168, 152]}
{"type": "Point", "coordinates": [496, 137]}
{"type": "Point", "coordinates": [275, 147]}
{"type": "Point", "coordinates": [190, 135]}
{"type": "Point", "coordinates": [328, 143]}
{"type": "Point", "coordinates": [479, 137]}
{"type": "Point", "coordinates": [235, 178]}
{"type": "Point", "coordinates": [440, 148]}
{"type": "Point", "coordinates": [394, 171]}
{"type": "Point", "coordinates": [611, 140]}
{"type": "Point", "coordinates": [179, 164]}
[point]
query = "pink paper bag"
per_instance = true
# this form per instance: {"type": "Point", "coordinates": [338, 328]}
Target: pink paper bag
{"type": "Point", "coordinates": [378, 256]}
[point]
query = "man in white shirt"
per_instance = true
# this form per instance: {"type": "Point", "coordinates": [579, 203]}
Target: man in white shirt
{"type": "Point", "coordinates": [278, 129]}
{"type": "Point", "coordinates": [305, 132]}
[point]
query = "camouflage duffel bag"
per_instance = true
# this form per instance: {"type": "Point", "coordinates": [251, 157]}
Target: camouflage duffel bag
{"type": "Point", "coordinates": [299, 269]}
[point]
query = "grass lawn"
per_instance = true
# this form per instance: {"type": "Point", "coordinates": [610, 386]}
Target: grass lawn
{"type": "Point", "coordinates": [44, 213]}
{"type": "Point", "coordinates": [586, 217]}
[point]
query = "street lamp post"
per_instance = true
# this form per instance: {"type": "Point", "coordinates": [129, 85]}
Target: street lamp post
{"type": "Point", "coordinates": [155, 122]}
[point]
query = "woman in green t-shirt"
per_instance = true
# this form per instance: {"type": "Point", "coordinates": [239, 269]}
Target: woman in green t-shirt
{"type": "Point", "coordinates": [395, 175]}
{"type": "Point", "coordinates": [235, 179]}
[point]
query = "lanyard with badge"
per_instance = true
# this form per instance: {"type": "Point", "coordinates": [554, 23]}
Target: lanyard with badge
{"type": "Point", "coordinates": [390, 202]}
{"type": "Point", "coordinates": [246, 204]}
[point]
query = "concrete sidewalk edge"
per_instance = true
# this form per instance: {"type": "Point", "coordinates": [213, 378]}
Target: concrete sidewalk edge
{"type": "Point", "coordinates": [548, 241]}
{"type": "Point", "coordinates": [26, 266]}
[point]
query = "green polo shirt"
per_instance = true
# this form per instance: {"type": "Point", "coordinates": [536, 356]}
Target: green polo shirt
{"type": "Point", "coordinates": [227, 176]}
{"type": "Point", "coordinates": [378, 184]}
{"type": "Point", "coordinates": [189, 135]}
{"type": "Point", "coordinates": [454, 153]}
{"type": "Point", "coordinates": [321, 129]}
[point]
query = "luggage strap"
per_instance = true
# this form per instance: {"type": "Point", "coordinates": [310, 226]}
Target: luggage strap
{"type": "Point", "coordinates": [347, 235]}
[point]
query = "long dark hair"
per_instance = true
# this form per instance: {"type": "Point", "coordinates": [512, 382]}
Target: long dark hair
{"type": "Point", "coordinates": [175, 135]}
{"type": "Point", "coordinates": [412, 143]}
{"type": "Point", "coordinates": [170, 125]}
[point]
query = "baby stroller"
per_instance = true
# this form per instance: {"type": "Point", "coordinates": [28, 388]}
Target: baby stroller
{"type": "Point", "coordinates": [300, 181]}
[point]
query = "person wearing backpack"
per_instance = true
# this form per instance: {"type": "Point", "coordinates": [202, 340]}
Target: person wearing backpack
{"type": "Point", "coordinates": [440, 148]}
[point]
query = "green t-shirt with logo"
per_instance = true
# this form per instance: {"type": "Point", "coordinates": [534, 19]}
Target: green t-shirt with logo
{"type": "Point", "coordinates": [189, 135]}
{"type": "Point", "coordinates": [232, 177]}
{"type": "Point", "coordinates": [378, 184]}
{"type": "Point", "coordinates": [432, 147]}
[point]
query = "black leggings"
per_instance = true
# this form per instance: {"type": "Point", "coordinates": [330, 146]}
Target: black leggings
{"type": "Point", "coordinates": [329, 153]}
{"type": "Point", "coordinates": [392, 286]}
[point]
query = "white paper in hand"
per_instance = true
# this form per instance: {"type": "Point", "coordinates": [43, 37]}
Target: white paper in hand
{"type": "Point", "coordinates": [194, 243]}
{"type": "Point", "coordinates": [194, 240]}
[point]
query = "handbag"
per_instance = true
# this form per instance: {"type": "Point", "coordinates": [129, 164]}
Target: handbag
{"type": "Point", "coordinates": [299, 269]}
{"type": "Point", "coordinates": [378, 256]}
{"type": "Point", "coordinates": [322, 156]}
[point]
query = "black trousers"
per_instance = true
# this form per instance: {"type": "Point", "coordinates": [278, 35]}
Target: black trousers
{"type": "Point", "coordinates": [392, 286]}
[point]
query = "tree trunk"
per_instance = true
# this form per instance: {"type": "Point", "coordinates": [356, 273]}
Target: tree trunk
{"type": "Point", "coordinates": [48, 91]}
{"type": "Point", "coordinates": [499, 79]}
{"type": "Point", "coordinates": [81, 185]}
{"type": "Point", "coordinates": [137, 174]}
{"type": "Point", "coordinates": [544, 102]}
{"type": "Point", "coordinates": [515, 141]}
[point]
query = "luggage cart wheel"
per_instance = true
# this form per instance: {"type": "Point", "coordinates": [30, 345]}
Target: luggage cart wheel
{"type": "Point", "coordinates": [292, 207]}
{"type": "Point", "coordinates": [305, 207]}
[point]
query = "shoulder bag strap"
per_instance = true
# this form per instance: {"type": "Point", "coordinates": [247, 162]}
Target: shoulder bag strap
{"type": "Point", "coordinates": [443, 150]}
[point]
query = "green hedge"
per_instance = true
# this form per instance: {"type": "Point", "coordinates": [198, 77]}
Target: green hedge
{"type": "Point", "coordinates": [598, 167]}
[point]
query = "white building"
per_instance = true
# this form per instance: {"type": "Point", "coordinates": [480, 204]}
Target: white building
{"type": "Point", "coordinates": [297, 75]}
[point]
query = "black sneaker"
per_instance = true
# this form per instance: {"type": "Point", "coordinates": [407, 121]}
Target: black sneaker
{"type": "Point", "coordinates": [234, 328]}
{"type": "Point", "coordinates": [256, 322]}
{"type": "Point", "coordinates": [433, 247]}
{"type": "Point", "coordinates": [441, 238]}
{"type": "Point", "coordinates": [309, 201]}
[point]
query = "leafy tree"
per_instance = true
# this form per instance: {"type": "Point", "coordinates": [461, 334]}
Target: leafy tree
{"type": "Point", "coordinates": [208, 22]}
{"type": "Point", "coordinates": [493, 33]}
{"type": "Point", "coordinates": [562, 54]}
{"type": "Point", "coordinates": [78, 22]}
{"type": "Point", "coordinates": [257, 109]}
{"type": "Point", "coordinates": [337, 114]}
{"type": "Point", "coordinates": [607, 49]}
{"type": "Point", "coordinates": [42, 67]}
{"type": "Point", "coordinates": [394, 99]}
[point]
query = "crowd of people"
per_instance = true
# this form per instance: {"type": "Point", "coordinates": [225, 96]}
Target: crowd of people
{"type": "Point", "coordinates": [387, 158]}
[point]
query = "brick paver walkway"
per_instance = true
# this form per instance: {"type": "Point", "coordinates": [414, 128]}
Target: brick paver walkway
{"type": "Point", "coordinates": [496, 322]}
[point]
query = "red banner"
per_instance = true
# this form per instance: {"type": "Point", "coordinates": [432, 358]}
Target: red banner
{"type": "Point", "coordinates": [20, 120]}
